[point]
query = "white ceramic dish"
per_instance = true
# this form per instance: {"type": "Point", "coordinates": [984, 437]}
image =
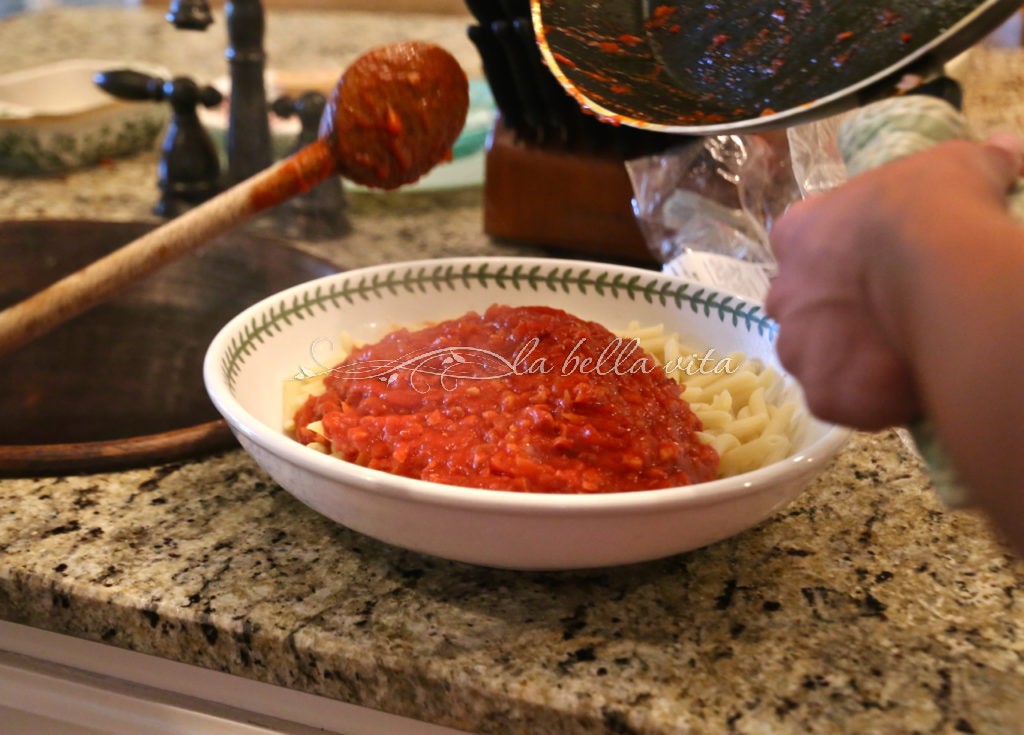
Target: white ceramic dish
{"type": "Point", "coordinates": [249, 360]}
{"type": "Point", "coordinates": [54, 118]}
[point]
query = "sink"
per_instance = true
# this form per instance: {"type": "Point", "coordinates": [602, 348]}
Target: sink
{"type": "Point", "coordinates": [121, 385]}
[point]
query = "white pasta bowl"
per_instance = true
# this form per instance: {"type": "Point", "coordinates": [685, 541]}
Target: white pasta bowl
{"type": "Point", "coordinates": [268, 344]}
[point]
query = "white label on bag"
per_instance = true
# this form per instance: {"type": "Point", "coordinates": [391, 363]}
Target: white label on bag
{"type": "Point", "coordinates": [749, 280]}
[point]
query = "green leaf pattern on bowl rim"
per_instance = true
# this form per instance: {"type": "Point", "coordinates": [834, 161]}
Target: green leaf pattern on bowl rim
{"type": "Point", "coordinates": [442, 278]}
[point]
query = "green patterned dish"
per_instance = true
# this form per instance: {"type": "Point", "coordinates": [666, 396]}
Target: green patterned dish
{"type": "Point", "coordinates": [53, 118]}
{"type": "Point", "coordinates": [275, 340]}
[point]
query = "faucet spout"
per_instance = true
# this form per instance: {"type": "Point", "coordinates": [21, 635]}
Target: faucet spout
{"type": "Point", "coordinates": [248, 137]}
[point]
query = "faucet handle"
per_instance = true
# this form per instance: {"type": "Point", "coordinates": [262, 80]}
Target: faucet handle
{"type": "Point", "coordinates": [128, 84]}
{"type": "Point", "coordinates": [317, 214]}
{"type": "Point", "coordinates": [308, 107]}
{"type": "Point", "coordinates": [189, 168]}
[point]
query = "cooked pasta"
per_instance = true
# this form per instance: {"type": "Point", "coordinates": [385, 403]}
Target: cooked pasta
{"type": "Point", "coordinates": [310, 382]}
{"type": "Point", "coordinates": [736, 399]}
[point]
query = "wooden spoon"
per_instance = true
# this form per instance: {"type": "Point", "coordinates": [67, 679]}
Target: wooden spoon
{"type": "Point", "coordinates": [394, 114]}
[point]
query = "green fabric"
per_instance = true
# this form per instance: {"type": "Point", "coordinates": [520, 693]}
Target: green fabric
{"type": "Point", "coordinates": [886, 131]}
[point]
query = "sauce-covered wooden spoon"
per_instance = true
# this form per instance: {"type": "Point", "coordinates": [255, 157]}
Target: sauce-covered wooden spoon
{"type": "Point", "coordinates": [395, 113]}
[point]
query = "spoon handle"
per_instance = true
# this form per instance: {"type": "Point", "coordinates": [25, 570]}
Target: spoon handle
{"type": "Point", "coordinates": [98, 281]}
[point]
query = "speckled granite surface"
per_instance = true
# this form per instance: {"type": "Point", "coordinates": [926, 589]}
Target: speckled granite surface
{"type": "Point", "coordinates": [862, 608]}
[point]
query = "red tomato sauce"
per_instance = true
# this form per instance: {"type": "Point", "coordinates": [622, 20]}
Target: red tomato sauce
{"type": "Point", "coordinates": [528, 399]}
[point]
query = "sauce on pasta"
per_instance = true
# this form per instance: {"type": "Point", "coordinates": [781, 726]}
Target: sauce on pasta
{"type": "Point", "coordinates": [528, 399]}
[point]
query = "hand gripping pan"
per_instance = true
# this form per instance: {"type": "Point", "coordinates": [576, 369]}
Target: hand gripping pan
{"type": "Point", "coordinates": [707, 68]}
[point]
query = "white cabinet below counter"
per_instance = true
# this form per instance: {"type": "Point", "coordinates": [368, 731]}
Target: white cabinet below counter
{"type": "Point", "coordinates": [50, 682]}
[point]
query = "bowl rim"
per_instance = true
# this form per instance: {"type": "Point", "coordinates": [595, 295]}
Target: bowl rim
{"type": "Point", "coordinates": [331, 468]}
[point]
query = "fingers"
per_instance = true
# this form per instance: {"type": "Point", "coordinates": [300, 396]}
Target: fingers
{"type": "Point", "coordinates": [848, 373]}
{"type": "Point", "coordinates": [841, 321]}
{"type": "Point", "coordinates": [1007, 151]}
{"type": "Point", "coordinates": [791, 229]}
{"type": "Point", "coordinates": [1003, 159]}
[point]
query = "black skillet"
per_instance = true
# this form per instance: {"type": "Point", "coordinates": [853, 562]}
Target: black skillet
{"type": "Point", "coordinates": [710, 67]}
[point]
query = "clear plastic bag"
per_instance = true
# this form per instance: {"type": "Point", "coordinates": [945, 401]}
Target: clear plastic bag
{"type": "Point", "coordinates": [706, 207]}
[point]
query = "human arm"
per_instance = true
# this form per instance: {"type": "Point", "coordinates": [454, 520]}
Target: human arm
{"type": "Point", "coordinates": [901, 294]}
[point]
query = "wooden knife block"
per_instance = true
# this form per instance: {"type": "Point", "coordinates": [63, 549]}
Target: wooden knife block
{"type": "Point", "coordinates": [572, 200]}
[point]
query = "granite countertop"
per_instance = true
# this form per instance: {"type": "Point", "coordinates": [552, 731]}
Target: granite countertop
{"type": "Point", "coordinates": [863, 607]}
